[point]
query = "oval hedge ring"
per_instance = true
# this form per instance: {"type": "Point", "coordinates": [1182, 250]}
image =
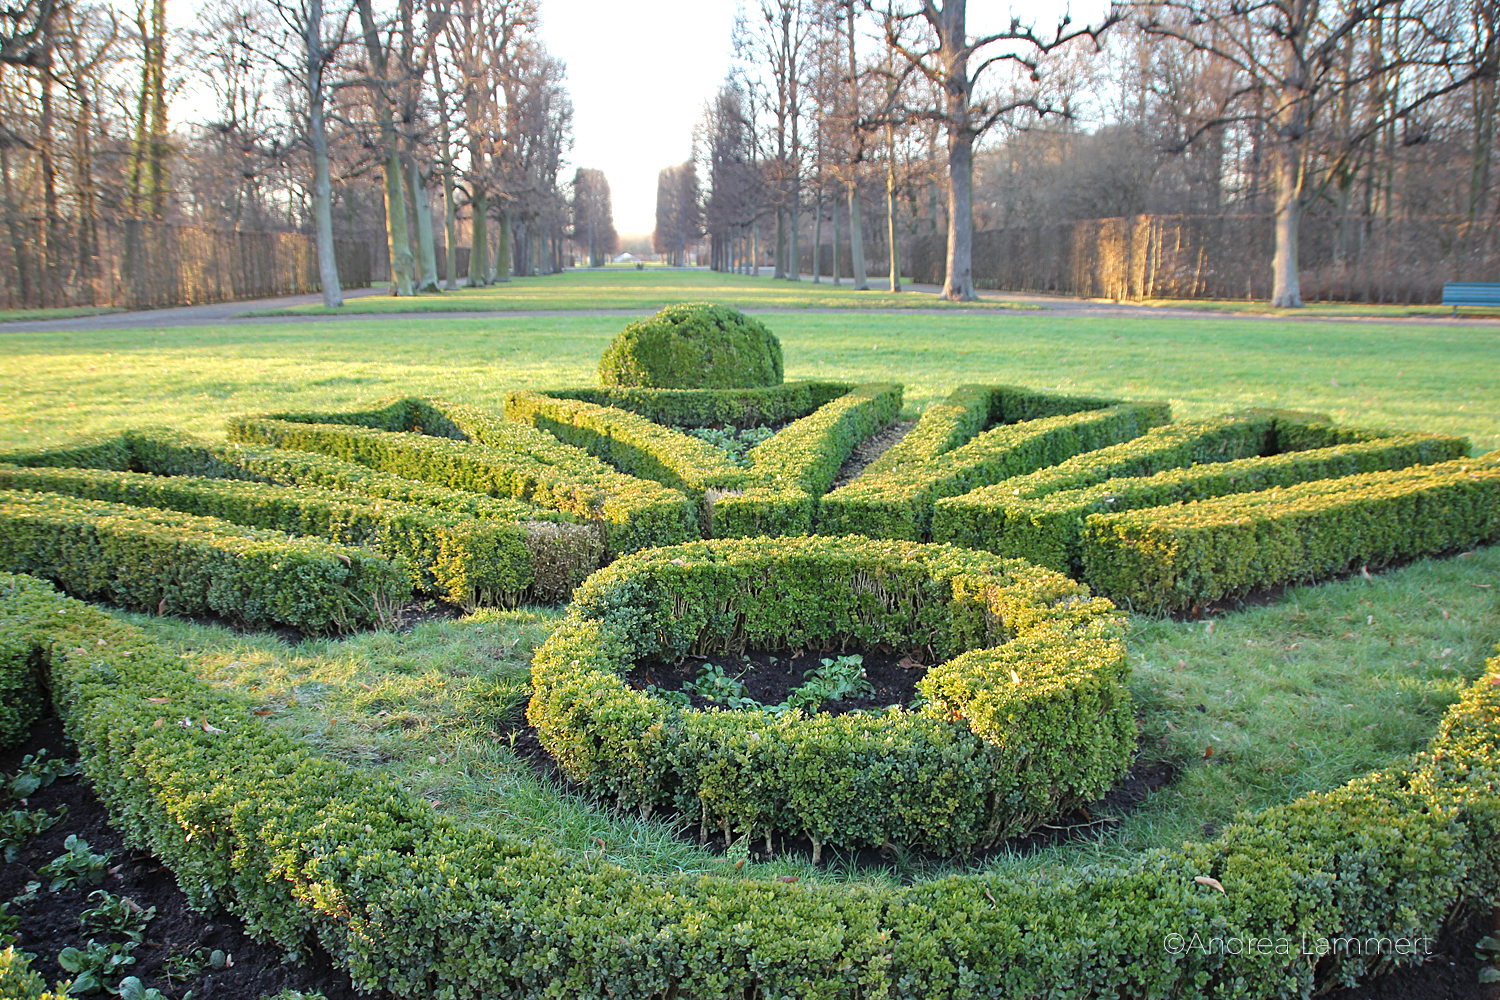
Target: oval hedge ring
{"type": "Point", "coordinates": [1027, 714]}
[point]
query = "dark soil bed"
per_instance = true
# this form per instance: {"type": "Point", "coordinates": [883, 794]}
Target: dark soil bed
{"type": "Point", "coordinates": [770, 677]}
{"type": "Point", "coordinates": [49, 921]}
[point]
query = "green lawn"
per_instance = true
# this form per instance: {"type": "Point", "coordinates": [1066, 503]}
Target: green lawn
{"type": "Point", "coordinates": [1312, 689]}
{"type": "Point", "coordinates": [1424, 377]}
{"type": "Point", "coordinates": [646, 290]}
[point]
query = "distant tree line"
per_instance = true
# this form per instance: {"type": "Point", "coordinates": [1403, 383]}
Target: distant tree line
{"type": "Point", "coordinates": [842, 113]}
{"type": "Point", "coordinates": [428, 126]}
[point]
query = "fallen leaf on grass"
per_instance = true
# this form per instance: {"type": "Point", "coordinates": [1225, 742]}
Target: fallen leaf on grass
{"type": "Point", "coordinates": [158, 701]}
{"type": "Point", "coordinates": [786, 878]}
{"type": "Point", "coordinates": [1347, 635]}
{"type": "Point", "coordinates": [907, 663]}
{"type": "Point", "coordinates": [1208, 751]}
{"type": "Point", "coordinates": [1212, 883]}
{"type": "Point", "coordinates": [161, 608]}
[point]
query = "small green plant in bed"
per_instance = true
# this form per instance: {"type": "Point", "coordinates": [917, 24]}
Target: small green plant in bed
{"type": "Point", "coordinates": [117, 915]}
{"type": "Point", "coordinates": [78, 866]}
{"type": "Point", "coordinates": [736, 443]}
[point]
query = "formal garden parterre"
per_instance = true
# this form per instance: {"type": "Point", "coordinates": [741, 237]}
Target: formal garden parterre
{"type": "Point", "coordinates": [328, 521]}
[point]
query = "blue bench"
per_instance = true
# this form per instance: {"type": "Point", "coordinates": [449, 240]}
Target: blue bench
{"type": "Point", "coordinates": [1471, 293]}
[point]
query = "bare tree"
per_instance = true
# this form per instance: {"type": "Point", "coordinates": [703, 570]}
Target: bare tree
{"type": "Point", "coordinates": [593, 216]}
{"type": "Point", "coordinates": [1304, 68]}
{"type": "Point", "coordinates": [942, 54]}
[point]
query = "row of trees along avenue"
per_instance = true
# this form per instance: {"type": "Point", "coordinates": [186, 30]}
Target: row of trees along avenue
{"type": "Point", "coordinates": [302, 115]}
{"type": "Point", "coordinates": [1356, 109]}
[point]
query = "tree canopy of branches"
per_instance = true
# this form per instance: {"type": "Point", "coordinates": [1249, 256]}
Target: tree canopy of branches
{"type": "Point", "coordinates": [1323, 80]}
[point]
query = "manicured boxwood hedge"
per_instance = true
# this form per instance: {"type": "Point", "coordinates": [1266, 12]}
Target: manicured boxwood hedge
{"type": "Point", "coordinates": [629, 442]}
{"type": "Point", "coordinates": [165, 561]}
{"type": "Point", "coordinates": [793, 469]}
{"type": "Point", "coordinates": [1175, 557]}
{"type": "Point", "coordinates": [1027, 717]}
{"type": "Point", "coordinates": [466, 547]}
{"type": "Point", "coordinates": [693, 345]}
{"type": "Point", "coordinates": [897, 502]}
{"type": "Point", "coordinates": [513, 461]}
{"type": "Point", "coordinates": [407, 899]}
{"type": "Point", "coordinates": [765, 406]}
{"type": "Point", "coordinates": [968, 410]}
{"type": "Point", "coordinates": [1011, 518]}
{"type": "Point", "coordinates": [460, 559]}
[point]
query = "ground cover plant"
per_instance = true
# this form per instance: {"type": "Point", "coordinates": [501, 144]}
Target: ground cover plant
{"type": "Point", "coordinates": [428, 725]}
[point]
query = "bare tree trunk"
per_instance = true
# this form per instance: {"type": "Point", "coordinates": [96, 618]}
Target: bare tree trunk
{"type": "Point", "coordinates": [317, 138]}
{"type": "Point", "coordinates": [817, 247]}
{"type": "Point", "coordinates": [793, 251]}
{"type": "Point", "coordinates": [755, 246]}
{"type": "Point", "coordinates": [1286, 289]}
{"type": "Point", "coordinates": [958, 286]}
{"type": "Point", "coordinates": [421, 199]}
{"type": "Point", "coordinates": [83, 176]}
{"type": "Point", "coordinates": [835, 205]}
{"type": "Point", "coordinates": [503, 250]}
{"type": "Point", "coordinates": [397, 235]}
{"type": "Point", "coordinates": [859, 278]}
{"type": "Point", "coordinates": [51, 276]}
{"type": "Point", "coordinates": [779, 258]}
{"type": "Point", "coordinates": [891, 209]}
{"type": "Point", "coordinates": [479, 239]}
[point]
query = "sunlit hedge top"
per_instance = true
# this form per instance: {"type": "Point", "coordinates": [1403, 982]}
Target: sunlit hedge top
{"type": "Point", "coordinates": [693, 346]}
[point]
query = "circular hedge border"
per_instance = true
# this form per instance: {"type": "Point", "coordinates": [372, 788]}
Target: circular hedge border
{"type": "Point", "coordinates": [1027, 717]}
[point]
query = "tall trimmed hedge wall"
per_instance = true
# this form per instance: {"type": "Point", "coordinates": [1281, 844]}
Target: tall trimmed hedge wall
{"type": "Point", "coordinates": [409, 900]}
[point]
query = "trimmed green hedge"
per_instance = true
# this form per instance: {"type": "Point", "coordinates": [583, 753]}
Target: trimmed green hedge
{"type": "Point", "coordinates": [1032, 719]}
{"type": "Point", "coordinates": [629, 442]}
{"type": "Point", "coordinates": [793, 468]}
{"type": "Point", "coordinates": [513, 461]}
{"type": "Point", "coordinates": [1175, 557]}
{"type": "Point", "coordinates": [164, 561]}
{"type": "Point", "coordinates": [897, 503]}
{"type": "Point", "coordinates": [461, 559]}
{"type": "Point", "coordinates": [406, 899]}
{"type": "Point", "coordinates": [968, 410]}
{"type": "Point", "coordinates": [1012, 519]}
{"type": "Point", "coordinates": [760, 407]}
{"type": "Point", "coordinates": [693, 345]}
{"type": "Point", "coordinates": [560, 552]}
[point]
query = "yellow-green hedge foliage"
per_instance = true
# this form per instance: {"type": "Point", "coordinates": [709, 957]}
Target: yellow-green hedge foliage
{"type": "Point", "coordinates": [165, 561]}
{"type": "Point", "coordinates": [406, 899]}
{"type": "Point", "coordinates": [693, 345]}
{"type": "Point", "coordinates": [758, 407]}
{"type": "Point", "coordinates": [792, 469]}
{"type": "Point", "coordinates": [463, 560]}
{"type": "Point", "coordinates": [1011, 518]}
{"type": "Point", "coordinates": [514, 461]}
{"type": "Point", "coordinates": [897, 502]}
{"type": "Point", "coordinates": [1029, 716]}
{"type": "Point", "coordinates": [1174, 557]}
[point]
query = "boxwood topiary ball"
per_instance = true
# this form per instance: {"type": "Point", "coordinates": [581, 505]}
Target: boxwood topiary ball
{"type": "Point", "coordinates": [693, 346]}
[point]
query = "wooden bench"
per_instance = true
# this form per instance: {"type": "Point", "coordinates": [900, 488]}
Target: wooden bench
{"type": "Point", "coordinates": [1471, 293]}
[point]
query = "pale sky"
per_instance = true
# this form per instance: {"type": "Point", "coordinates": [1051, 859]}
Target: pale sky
{"type": "Point", "coordinates": [639, 73]}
